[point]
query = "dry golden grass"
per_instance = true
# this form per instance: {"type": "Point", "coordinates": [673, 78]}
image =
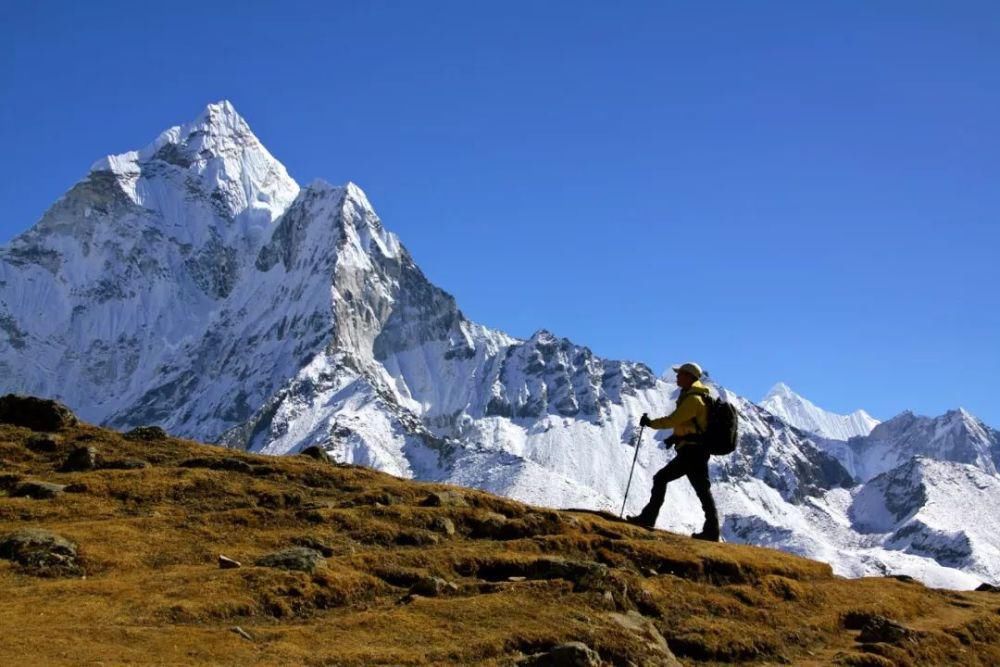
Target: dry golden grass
{"type": "Point", "coordinates": [525, 578]}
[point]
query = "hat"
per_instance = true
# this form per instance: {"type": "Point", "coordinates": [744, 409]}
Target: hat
{"type": "Point", "coordinates": [690, 368]}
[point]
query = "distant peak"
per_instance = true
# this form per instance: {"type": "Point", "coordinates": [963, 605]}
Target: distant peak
{"type": "Point", "coordinates": [963, 414]}
{"type": "Point", "coordinates": [220, 116]}
{"type": "Point", "coordinates": [804, 414]}
{"type": "Point", "coordinates": [780, 389]}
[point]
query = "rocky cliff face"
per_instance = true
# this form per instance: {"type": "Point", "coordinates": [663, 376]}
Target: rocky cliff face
{"type": "Point", "coordinates": [194, 285]}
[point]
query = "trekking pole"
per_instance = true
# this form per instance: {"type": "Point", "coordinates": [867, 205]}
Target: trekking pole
{"type": "Point", "coordinates": [638, 440]}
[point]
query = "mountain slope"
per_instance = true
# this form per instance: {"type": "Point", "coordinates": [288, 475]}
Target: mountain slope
{"type": "Point", "coordinates": [801, 413]}
{"type": "Point", "coordinates": [406, 573]}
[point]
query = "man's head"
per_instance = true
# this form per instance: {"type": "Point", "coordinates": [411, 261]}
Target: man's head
{"type": "Point", "coordinates": [687, 374]}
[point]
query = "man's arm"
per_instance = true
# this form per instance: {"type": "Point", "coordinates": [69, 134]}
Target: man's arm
{"type": "Point", "coordinates": [685, 412]}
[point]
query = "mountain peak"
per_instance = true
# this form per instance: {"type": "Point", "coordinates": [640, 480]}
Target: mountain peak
{"type": "Point", "coordinates": [216, 131]}
{"type": "Point", "coordinates": [222, 151]}
{"type": "Point", "coordinates": [183, 145]}
{"type": "Point", "coordinates": [780, 389]}
{"type": "Point", "coordinates": [221, 114]}
{"type": "Point", "coordinates": [802, 413]}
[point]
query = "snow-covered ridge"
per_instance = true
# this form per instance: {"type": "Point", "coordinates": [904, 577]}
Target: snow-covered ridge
{"type": "Point", "coordinates": [955, 436]}
{"type": "Point", "coordinates": [218, 148]}
{"type": "Point", "coordinates": [803, 414]}
{"type": "Point", "coordinates": [194, 285]}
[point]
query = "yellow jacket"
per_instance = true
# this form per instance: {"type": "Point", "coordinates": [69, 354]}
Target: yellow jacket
{"type": "Point", "coordinates": [690, 410]}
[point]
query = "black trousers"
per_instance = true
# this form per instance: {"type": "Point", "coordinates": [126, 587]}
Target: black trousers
{"type": "Point", "coordinates": [691, 461]}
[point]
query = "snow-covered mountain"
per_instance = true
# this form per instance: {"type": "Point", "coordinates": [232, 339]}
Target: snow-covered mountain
{"type": "Point", "coordinates": [135, 261]}
{"type": "Point", "coordinates": [194, 285]}
{"type": "Point", "coordinates": [954, 436]}
{"type": "Point", "coordinates": [803, 414]}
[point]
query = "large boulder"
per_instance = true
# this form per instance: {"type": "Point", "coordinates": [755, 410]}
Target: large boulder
{"type": "Point", "coordinates": [432, 587]}
{"type": "Point", "coordinates": [882, 629]}
{"type": "Point", "coordinates": [570, 654]}
{"type": "Point", "coordinates": [80, 459]}
{"type": "Point", "coordinates": [38, 414]}
{"type": "Point", "coordinates": [37, 490]}
{"type": "Point", "coordinates": [646, 632]}
{"type": "Point", "coordinates": [293, 558]}
{"type": "Point", "coordinates": [41, 553]}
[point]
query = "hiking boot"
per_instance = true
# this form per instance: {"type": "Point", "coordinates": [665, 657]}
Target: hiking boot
{"type": "Point", "coordinates": [641, 520]}
{"type": "Point", "coordinates": [707, 535]}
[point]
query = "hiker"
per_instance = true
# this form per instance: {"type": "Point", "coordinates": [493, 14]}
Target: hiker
{"type": "Point", "coordinates": [688, 420]}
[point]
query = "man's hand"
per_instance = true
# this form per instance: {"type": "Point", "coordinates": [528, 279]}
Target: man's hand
{"type": "Point", "coordinates": [644, 420]}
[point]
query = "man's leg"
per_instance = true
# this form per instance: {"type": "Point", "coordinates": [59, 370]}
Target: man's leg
{"type": "Point", "coordinates": [676, 469]}
{"type": "Point", "coordinates": [697, 474]}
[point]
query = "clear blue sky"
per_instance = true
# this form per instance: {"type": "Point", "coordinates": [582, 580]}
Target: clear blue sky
{"type": "Point", "coordinates": [807, 192]}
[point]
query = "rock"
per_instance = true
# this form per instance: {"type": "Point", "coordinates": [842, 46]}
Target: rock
{"type": "Point", "coordinates": [570, 654]}
{"type": "Point", "coordinates": [432, 587]}
{"type": "Point", "coordinates": [882, 629]}
{"type": "Point", "coordinates": [227, 563]}
{"type": "Point", "coordinates": [41, 552]}
{"type": "Point", "coordinates": [293, 558]}
{"type": "Point", "coordinates": [80, 459]}
{"type": "Point", "coordinates": [444, 499]}
{"type": "Point", "coordinates": [442, 524]}
{"type": "Point", "coordinates": [45, 444]}
{"type": "Point", "coordinates": [316, 452]}
{"type": "Point", "coordinates": [37, 490]}
{"type": "Point", "coordinates": [242, 633]}
{"type": "Point", "coordinates": [38, 414]}
{"type": "Point", "coordinates": [646, 631]}
{"type": "Point", "coordinates": [146, 434]}
{"type": "Point", "coordinates": [315, 545]}
{"type": "Point", "coordinates": [988, 588]}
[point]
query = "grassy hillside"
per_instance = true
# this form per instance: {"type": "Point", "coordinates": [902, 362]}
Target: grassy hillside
{"type": "Point", "coordinates": [397, 572]}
